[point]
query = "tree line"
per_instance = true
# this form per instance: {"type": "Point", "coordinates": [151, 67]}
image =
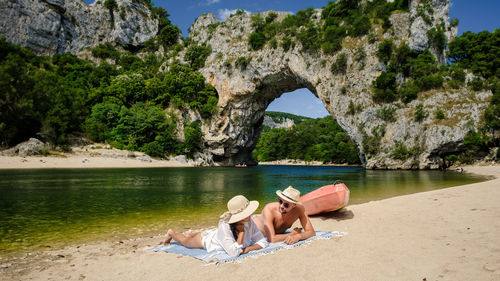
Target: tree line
{"type": "Point", "coordinates": [320, 139]}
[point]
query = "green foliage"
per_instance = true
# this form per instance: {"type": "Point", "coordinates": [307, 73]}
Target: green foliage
{"type": "Point", "coordinates": [105, 51]}
{"type": "Point", "coordinates": [437, 38]}
{"type": "Point", "coordinates": [311, 140]}
{"type": "Point", "coordinates": [476, 141]}
{"type": "Point", "coordinates": [241, 63]}
{"type": "Point", "coordinates": [264, 30]}
{"type": "Point", "coordinates": [103, 118]}
{"type": "Point", "coordinates": [192, 138]}
{"type": "Point", "coordinates": [257, 39]}
{"type": "Point", "coordinates": [286, 43]}
{"type": "Point", "coordinates": [430, 82]}
{"type": "Point", "coordinates": [353, 108]}
{"type": "Point", "coordinates": [309, 38]}
{"type": "Point", "coordinates": [184, 86]}
{"type": "Point", "coordinates": [457, 73]}
{"type": "Point", "coordinates": [492, 112]}
{"type": "Point", "coordinates": [478, 52]}
{"type": "Point", "coordinates": [110, 5]}
{"type": "Point", "coordinates": [425, 10]}
{"type": "Point", "coordinates": [168, 35]}
{"type": "Point", "coordinates": [408, 92]}
{"type": "Point", "coordinates": [371, 143]}
{"type": "Point", "coordinates": [402, 152]}
{"type": "Point", "coordinates": [476, 146]}
{"type": "Point", "coordinates": [196, 55]}
{"type": "Point", "coordinates": [53, 97]}
{"type": "Point", "coordinates": [386, 113]}
{"type": "Point", "coordinates": [420, 113]}
{"type": "Point", "coordinates": [384, 51]}
{"type": "Point", "coordinates": [385, 87]}
{"type": "Point", "coordinates": [340, 64]}
{"type": "Point", "coordinates": [476, 84]}
{"type": "Point", "coordinates": [360, 26]}
{"type": "Point", "coordinates": [142, 127]}
{"type": "Point", "coordinates": [439, 114]}
{"type": "Point", "coordinates": [424, 64]}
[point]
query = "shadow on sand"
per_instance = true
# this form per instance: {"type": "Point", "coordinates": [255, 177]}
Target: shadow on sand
{"type": "Point", "coordinates": [340, 215]}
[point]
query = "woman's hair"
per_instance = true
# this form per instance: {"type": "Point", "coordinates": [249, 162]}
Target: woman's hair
{"type": "Point", "coordinates": [233, 230]}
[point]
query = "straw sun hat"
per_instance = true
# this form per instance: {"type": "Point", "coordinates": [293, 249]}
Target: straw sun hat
{"type": "Point", "coordinates": [290, 194]}
{"type": "Point", "coordinates": [239, 208]}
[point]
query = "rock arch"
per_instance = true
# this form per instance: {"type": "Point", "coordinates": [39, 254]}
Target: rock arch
{"type": "Point", "coordinates": [245, 92]}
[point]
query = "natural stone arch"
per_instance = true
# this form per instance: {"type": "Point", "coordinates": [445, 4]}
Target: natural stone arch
{"type": "Point", "coordinates": [245, 93]}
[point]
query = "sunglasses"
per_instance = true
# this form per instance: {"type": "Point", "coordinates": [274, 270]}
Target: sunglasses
{"type": "Point", "coordinates": [285, 204]}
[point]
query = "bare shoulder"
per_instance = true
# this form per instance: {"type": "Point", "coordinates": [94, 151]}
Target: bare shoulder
{"type": "Point", "coordinates": [270, 208]}
{"type": "Point", "coordinates": [301, 208]}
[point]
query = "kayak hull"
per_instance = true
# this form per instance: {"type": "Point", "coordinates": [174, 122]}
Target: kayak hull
{"type": "Point", "coordinates": [326, 199]}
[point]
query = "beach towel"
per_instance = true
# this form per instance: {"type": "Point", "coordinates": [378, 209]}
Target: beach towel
{"type": "Point", "coordinates": [216, 257]}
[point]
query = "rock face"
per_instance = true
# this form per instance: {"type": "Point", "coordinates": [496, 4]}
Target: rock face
{"type": "Point", "coordinates": [285, 123]}
{"type": "Point", "coordinates": [244, 94]}
{"type": "Point", "coordinates": [59, 26]}
{"type": "Point", "coordinates": [30, 147]}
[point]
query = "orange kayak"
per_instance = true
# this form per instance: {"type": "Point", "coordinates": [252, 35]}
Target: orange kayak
{"type": "Point", "coordinates": [326, 199]}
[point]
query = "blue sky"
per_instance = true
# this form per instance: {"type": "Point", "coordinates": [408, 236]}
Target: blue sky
{"type": "Point", "coordinates": [473, 15]}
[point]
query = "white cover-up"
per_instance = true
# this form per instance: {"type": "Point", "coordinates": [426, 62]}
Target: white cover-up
{"type": "Point", "coordinates": [222, 239]}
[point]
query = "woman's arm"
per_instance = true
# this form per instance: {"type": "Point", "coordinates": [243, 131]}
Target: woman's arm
{"type": "Point", "coordinates": [226, 239]}
{"type": "Point", "coordinates": [251, 248]}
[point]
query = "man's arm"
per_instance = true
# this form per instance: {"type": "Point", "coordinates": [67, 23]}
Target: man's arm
{"type": "Point", "coordinates": [306, 225]}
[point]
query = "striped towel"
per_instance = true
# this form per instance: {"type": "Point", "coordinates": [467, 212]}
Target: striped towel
{"type": "Point", "coordinates": [216, 257]}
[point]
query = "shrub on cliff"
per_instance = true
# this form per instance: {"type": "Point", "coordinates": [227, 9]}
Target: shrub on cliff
{"type": "Point", "coordinates": [196, 55]}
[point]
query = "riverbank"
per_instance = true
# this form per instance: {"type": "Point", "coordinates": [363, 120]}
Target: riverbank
{"type": "Point", "coordinates": [90, 156]}
{"type": "Point", "coordinates": [446, 234]}
{"type": "Point", "coordinates": [295, 162]}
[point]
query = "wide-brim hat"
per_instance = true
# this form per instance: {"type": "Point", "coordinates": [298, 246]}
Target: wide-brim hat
{"type": "Point", "coordinates": [239, 208]}
{"type": "Point", "coordinates": [290, 194]}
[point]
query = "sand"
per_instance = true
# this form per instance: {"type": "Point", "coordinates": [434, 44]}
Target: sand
{"type": "Point", "coordinates": [447, 234]}
{"type": "Point", "coordinates": [87, 157]}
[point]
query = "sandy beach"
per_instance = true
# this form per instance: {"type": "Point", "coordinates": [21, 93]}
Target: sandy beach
{"type": "Point", "coordinates": [446, 234]}
{"type": "Point", "coordinates": [88, 157]}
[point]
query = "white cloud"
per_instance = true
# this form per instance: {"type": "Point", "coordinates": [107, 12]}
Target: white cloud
{"type": "Point", "coordinates": [211, 2]}
{"type": "Point", "coordinates": [223, 14]}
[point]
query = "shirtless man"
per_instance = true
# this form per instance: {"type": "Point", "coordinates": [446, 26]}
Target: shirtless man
{"type": "Point", "coordinates": [279, 216]}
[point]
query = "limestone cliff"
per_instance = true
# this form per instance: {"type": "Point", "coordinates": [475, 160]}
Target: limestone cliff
{"type": "Point", "coordinates": [244, 94]}
{"type": "Point", "coordinates": [59, 26]}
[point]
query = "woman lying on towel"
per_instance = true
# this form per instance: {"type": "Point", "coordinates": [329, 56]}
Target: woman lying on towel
{"type": "Point", "coordinates": [236, 234]}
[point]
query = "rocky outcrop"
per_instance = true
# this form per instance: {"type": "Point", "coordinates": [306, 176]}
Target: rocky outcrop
{"type": "Point", "coordinates": [28, 148]}
{"type": "Point", "coordinates": [285, 123]}
{"type": "Point", "coordinates": [59, 26]}
{"type": "Point", "coordinates": [245, 94]}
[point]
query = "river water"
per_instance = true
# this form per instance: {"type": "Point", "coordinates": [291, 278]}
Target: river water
{"type": "Point", "coordinates": [43, 208]}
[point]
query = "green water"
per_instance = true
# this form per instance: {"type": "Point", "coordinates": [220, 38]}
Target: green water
{"type": "Point", "coordinates": [52, 208]}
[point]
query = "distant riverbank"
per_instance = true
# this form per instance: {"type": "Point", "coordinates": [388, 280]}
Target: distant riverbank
{"type": "Point", "coordinates": [91, 156]}
{"type": "Point", "coordinates": [295, 162]}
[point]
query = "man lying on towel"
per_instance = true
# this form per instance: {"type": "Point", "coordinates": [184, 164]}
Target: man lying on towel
{"type": "Point", "coordinates": [279, 216]}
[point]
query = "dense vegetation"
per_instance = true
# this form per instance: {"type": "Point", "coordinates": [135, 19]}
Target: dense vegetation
{"type": "Point", "coordinates": [319, 139]}
{"type": "Point", "coordinates": [121, 100]}
{"type": "Point", "coordinates": [338, 20]}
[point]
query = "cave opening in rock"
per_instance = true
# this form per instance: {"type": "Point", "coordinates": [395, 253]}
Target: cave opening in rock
{"type": "Point", "coordinates": [296, 126]}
